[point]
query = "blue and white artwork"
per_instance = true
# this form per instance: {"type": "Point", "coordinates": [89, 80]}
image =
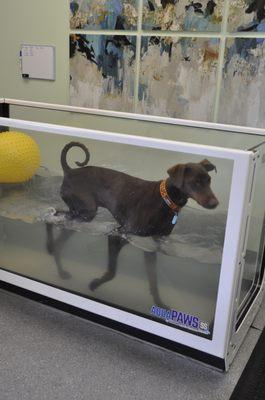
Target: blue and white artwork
{"type": "Point", "coordinates": [243, 84]}
{"type": "Point", "coordinates": [102, 71]}
{"type": "Point", "coordinates": [246, 16]}
{"type": "Point", "coordinates": [178, 77]}
{"type": "Point", "coordinates": [103, 14]}
{"type": "Point", "coordinates": [183, 15]}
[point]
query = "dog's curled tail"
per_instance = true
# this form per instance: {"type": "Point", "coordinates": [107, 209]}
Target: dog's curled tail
{"type": "Point", "coordinates": [65, 150]}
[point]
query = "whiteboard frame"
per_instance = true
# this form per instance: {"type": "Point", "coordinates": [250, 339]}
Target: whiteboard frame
{"type": "Point", "coordinates": [35, 74]}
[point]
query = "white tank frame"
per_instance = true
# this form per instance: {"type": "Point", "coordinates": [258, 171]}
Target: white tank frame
{"type": "Point", "coordinates": [225, 341]}
{"type": "Point", "coordinates": [133, 116]}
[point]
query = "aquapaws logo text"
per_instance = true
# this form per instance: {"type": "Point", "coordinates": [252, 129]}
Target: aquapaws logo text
{"type": "Point", "coordinates": [181, 319]}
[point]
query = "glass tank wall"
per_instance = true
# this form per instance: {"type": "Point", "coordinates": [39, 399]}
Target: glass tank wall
{"type": "Point", "coordinates": [170, 131]}
{"type": "Point", "coordinates": [188, 260]}
{"type": "Point", "coordinates": [253, 269]}
{"type": "Point", "coordinates": [171, 273]}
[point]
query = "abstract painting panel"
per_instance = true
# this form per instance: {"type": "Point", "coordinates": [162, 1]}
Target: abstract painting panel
{"type": "Point", "coordinates": [178, 77]}
{"type": "Point", "coordinates": [103, 14]}
{"type": "Point", "coordinates": [102, 71]}
{"type": "Point", "coordinates": [183, 15]}
{"type": "Point", "coordinates": [246, 16]}
{"type": "Point", "coordinates": [243, 84]}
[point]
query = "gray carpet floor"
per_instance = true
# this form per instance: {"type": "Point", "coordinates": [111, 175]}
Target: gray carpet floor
{"type": "Point", "coordinates": [49, 354]}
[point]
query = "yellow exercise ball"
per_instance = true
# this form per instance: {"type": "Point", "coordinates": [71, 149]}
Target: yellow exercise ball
{"type": "Point", "coordinates": [19, 157]}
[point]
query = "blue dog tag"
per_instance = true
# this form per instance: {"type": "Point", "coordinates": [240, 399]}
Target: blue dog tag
{"type": "Point", "coordinates": [174, 219]}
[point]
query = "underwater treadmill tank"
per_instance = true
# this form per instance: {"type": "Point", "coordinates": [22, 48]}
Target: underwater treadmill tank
{"type": "Point", "coordinates": [195, 290]}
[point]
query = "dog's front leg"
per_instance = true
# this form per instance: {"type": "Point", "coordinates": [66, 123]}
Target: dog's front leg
{"type": "Point", "coordinates": [115, 244]}
{"type": "Point", "coordinates": [151, 270]}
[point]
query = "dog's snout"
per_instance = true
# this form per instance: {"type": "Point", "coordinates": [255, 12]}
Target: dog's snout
{"type": "Point", "coordinates": [205, 200]}
{"type": "Point", "coordinates": [211, 203]}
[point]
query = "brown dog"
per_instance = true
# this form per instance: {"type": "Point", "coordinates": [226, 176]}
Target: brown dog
{"type": "Point", "coordinates": [141, 207]}
{"type": "Point", "coordinates": [138, 205]}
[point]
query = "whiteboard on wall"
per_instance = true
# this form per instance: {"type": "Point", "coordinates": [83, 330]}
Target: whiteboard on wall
{"type": "Point", "coordinates": [37, 61]}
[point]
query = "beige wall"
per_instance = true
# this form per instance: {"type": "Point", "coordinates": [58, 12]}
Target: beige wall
{"type": "Point", "coordinates": [36, 22]}
{"type": "Point", "coordinates": [47, 22]}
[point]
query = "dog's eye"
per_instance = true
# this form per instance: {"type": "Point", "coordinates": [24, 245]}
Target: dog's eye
{"type": "Point", "coordinates": [197, 184]}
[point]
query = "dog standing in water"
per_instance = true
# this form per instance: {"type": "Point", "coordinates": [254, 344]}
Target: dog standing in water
{"type": "Point", "coordinates": [141, 207]}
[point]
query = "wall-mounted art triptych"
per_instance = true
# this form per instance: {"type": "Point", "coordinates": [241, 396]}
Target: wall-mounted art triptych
{"type": "Point", "coordinates": [165, 57]}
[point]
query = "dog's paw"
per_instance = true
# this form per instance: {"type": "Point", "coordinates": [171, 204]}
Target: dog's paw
{"type": "Point", "coordinates": [65, 275]}
{"type": "Point", "coordinates": [162, 305]}
{"type": "Point", "coordinates": [94, 284]}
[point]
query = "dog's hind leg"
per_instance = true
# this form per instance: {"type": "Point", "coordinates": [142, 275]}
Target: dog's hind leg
{"type": "Point", "coordinates": [55, 246]}
{"type": "Point", "coordinates": [81, 207]}
{"type": "Point", "coordinates": [115, 244]}
{"type": "Point", "coordinates": [151, 270]}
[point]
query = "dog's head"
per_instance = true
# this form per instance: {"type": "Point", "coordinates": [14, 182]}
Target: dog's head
{"type": "Point", "coordinates": [194, 181]}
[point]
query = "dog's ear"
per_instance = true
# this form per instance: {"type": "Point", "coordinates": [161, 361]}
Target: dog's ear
{"type": "Point", "coordinates": [208, 165]}
{"type": "Point", "coordinates": [176, 174]}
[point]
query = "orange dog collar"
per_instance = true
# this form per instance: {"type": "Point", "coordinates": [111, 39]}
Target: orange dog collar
{"type": "Point", "coordinates": [174, 207]}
